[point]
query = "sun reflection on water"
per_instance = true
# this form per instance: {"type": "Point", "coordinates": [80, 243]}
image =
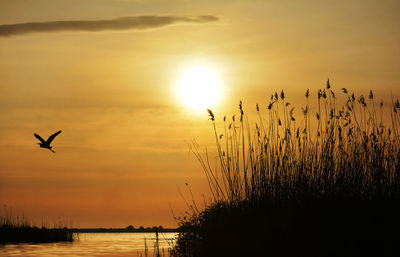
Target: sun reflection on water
{"type": "Point", "coordinates": [93, 244]}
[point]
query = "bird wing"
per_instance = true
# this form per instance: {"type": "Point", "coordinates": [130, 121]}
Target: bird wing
{"type": "Point", "coordinates": [51, 138]}
{"type": "Point", "coordinates": [40, 138]}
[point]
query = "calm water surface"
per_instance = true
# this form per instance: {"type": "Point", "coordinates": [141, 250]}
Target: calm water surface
{"type": "Point", "coordinates": [94, 244]}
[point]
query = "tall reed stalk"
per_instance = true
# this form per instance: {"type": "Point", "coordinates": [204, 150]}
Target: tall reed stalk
{"type": "Point", "coordinates": [335, 149]}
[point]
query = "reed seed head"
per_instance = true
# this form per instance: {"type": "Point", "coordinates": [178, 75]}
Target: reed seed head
{"type": "Point", "coordinates": [211, 114]}
{"type": "Point", "coordinates": [361, 100]}
{"type": "Point", "coordinates": [397, 104]}
{"type": "Point", "coordinates": [324, 94]}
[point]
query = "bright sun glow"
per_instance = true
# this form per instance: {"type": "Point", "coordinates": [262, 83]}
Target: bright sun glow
{"type": "Point", "coordinates": [199, 86]}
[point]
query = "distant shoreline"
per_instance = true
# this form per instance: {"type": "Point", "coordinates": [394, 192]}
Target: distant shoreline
{"type": "Point", "coordinates": [122, 230]}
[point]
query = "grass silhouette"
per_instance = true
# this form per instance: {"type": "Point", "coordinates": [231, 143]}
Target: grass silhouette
{"type": "Point", "coordinates": [324, 184]}
{"type": "Point", "coordinates": [20, 230]}
{"type": "Point", "coordinates": [158, 250]}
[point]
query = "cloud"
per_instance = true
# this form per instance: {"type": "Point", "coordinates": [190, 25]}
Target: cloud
{"type": "Point", "coordinates": [123, 23]}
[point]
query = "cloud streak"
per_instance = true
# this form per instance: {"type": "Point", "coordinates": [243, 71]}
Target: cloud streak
{"type": "Point", "coordinates": [123, 23]}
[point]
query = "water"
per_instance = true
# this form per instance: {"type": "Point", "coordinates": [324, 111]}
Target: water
{"type": "Point", "coordinates": [94, 244]}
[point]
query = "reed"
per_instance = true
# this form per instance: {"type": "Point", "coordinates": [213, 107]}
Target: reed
{"type": "Point", "coordinates": [323, 182]}
{"type": "Point", "coordinates": [21, 230]}
{"type": "Point", "coordinates": [158, 251]}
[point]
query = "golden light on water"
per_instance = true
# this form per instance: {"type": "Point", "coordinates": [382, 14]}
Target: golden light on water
{"type": "Point", "coordinates": [199, 86]}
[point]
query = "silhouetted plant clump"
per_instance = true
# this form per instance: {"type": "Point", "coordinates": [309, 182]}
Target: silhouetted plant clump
{"type": "Point", "coordinates": [21, 231]}
{"type": "Point", "coordinates": [322, 183]}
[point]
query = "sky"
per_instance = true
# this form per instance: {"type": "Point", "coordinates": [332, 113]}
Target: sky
{"type": "Point", "coordinates": [108, 72]}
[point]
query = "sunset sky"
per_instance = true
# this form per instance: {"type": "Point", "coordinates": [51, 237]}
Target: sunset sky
{"type": "Point", "coordinates": [110, 76]}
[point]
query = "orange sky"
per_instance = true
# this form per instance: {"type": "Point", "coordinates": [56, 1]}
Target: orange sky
{"type": "Point", "coordinates": [123, 150]}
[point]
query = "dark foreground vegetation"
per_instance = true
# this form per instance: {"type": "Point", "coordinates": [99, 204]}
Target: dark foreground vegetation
{"type": "Point", "coordinates": [15, 231]}
{"type": "Point", "coordinates": [323, 183]}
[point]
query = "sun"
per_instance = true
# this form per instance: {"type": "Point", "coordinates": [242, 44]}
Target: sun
{"type": "Point", "coordinates": [199, 86]}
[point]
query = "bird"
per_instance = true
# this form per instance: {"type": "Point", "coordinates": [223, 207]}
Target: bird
{"type": "Point", "coordinates": [46, 143]}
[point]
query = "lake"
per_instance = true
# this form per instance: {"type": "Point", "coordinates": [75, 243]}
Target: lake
{"type": "Point", "coordinates": [94, 244]}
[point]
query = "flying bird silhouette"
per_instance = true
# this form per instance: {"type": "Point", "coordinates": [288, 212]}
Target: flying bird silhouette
{"type": "Point", "coordinates": [46, 144]}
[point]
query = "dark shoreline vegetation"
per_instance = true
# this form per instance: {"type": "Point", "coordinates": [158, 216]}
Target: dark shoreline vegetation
{"type": "Point", "coordinates": [323, 183]}
{"type": "Point", "coordinates": [124, 230]}
{"type": "Point", "coordinates": [21, 231]}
